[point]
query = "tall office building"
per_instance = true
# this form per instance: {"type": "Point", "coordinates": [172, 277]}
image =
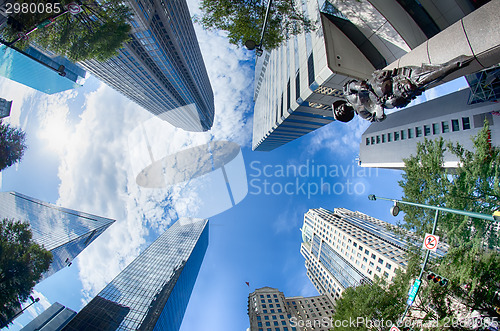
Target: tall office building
{"type": "Point", "coordinates": [269, 309]}
{"type": "Point", "coordinates": [152, 292]}
{"type": "Point", "coordinates": [62, 231]}
{"type": "Point", "coordinates": [386, 144]}
{"type": "Point", "coordinates": [161, 68]}
{"type": "Point", "coordinates": [297, 83]}
{"type": "Point", "coordinates": [5, 107]}
{"type": "Point", "coordinates": [345, 249]}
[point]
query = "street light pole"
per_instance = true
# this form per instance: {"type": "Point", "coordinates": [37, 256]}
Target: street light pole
{"type": "Point", "coordinates": [250, 44]}
{"type": "Point", "coordinates": [495, 218]}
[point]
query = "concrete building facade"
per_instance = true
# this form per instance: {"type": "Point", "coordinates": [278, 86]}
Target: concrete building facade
{"type": "Point", "coordinates": [269, 309]}
{"type": "Point", "coordinates": [346, 249]}
{"type": "Point", "coordinates": [296, 84]}
{"type": "Point", "coordinates": [385, 144]}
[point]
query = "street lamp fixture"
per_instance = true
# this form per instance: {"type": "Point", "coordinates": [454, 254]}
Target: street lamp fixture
{"type": "Point", "coordinates": [251, 44]}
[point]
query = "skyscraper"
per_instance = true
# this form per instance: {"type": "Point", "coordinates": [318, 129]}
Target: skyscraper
{"type": "Point", "coordinates": [269, 309]}
{"type": "Point", "coordinates": [297, 83]}
{"type": "Point", "coordinates": [345, 249]}
{"type": "Point", "coordinates": [161, 68]}
{"type": "Point", "coordinates": [386, 144]}
{"type": "Point", "coordinates": [62, 231]}
{"type": "Point", "coordinates": [152, 292]}
{"type": "Point", "coordinates": [53, 318]}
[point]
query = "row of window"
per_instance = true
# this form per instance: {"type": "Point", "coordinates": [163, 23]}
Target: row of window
{"type": "Point", "coordinates": [419, 131]}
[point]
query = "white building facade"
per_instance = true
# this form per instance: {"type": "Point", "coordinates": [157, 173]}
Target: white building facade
{"type": "Point", "coordinates": [385, 144]}
{"type": "Point", "coordinates": [345, 249]}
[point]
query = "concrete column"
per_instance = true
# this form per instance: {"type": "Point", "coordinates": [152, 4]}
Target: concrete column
{"type": "Point", "coordinates": [477, 34]}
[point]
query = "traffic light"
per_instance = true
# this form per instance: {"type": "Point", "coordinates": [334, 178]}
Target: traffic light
{"type": "Point", "coordinates": [437, 279]}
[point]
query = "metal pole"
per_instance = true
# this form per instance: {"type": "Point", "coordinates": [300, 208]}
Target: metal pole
{"type": "Point", "coordinates": [265, 23]}
{"type": "Point", "coordinates": [19, 313]}
{"type": "Point", "coordinates": [425, 263]}
{"type": "Point", "coordinates": [449, 210]}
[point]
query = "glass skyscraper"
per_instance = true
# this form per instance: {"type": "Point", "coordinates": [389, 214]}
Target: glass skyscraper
{"type": "Point", "coordinates": [161, 68]}
{"type": "Point", "coordinates": [62, 231]}
{"type": "Point", "coordinates": [152, 292]}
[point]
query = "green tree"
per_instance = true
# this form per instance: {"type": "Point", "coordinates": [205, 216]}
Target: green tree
{"type": "Point", "coordinates": [12, 145]}
{"type": "Point", "coordinates": [243, 20]}
{"type": "Point", "coordinates": [22, 263]}
{"type": "Point", "coordinates": [95, 33]}
{"type": "Point", "coordinates": [474, 186]}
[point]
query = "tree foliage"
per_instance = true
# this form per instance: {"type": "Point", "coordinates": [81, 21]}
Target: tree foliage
{"type": "Point", "coordinates": [474, 186]}
{"type": "Point", "coordinates": [22, 263]}
{"type": "Point", "coordinates": [95, 33]}
{"type": "Point", "coordinates": [243, 20]}
{"type": "Point", "coordinates": [12, 145]}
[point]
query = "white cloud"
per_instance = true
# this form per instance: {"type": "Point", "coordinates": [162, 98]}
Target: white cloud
{"type": "Point", "coordinates": [19, 94]}
{"type": "Point", "coordinates": [95, 170]}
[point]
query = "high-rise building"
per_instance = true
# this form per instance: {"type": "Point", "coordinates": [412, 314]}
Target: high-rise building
{"type": "Point", "coordinates": [269, 309]}
{"type": "Point", "coordinates": [386, 144]}
{"type": "Point", "coordinates": [62, 231]}
{"type": "Point", "coordinates": [48, 74]}
{"type": "Point", "coordinates": [161, 68]}
{"type": "Point", "coordinates": [53, 318]}
{"type": "Point", "coordinates": [345, 249]}
{"type": "Point", "coordinates": [5, 107]}
{"type": "Point", "coordinates": [297, 83]}
{"type": "Point", "coordinates": [152, 292]}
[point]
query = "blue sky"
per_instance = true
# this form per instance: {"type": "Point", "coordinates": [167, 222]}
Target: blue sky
{"type": "Point", "coordinates": [79, 157]}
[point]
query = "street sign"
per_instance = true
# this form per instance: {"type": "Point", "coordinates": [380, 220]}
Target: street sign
{"type": "Point", "coordinates": [413, 292]}
{"type": "Point", "coordinates": [430, 242]}
{"type": "Point", "coordinates": [394, 328]}
{"type": "Point", "coordinates": [74, 8]}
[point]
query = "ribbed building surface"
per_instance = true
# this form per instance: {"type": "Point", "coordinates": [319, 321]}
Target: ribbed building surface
{"type": "Point", "coordinates": [161, 68]}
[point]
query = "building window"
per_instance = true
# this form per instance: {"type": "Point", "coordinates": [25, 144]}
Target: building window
{"type": "Point", "coordinates": [258, 318]}
{"type": "Point", "coordinates": [435, 128]}
{"type": "Point", "coordinates": [378, 269]}
{"type": "Point", "coordinates": [373, 140]}
{"type": "Point", "coordinates": [410, 133]}
{"type": "Point", "coordinates": [268, 323]}
{"type": "Point", "coordinates": [265, 311]}
{"type": "Point", "coordinates": [454, 125]}
{"type": "Point", "coordinates": [396, 136]}
{"type": "Point", "coordinates": [310, 69]}
{"type": "Point", "coordinates": [380, 261]}
{"type": "Point", "coordinates": [386, 275]}
{"type": "Point", "coordinates": [445, 127]}
{"type": "Point", "coordinates": [403, 134]}
{"type": "Point", "coordinates": [389, 137]}
{"type": "Point", "coordinates": [388, 266]}
{"type": "Point", "coordinates": [259, 324]}
{"type": "Point", "coordinates": [274, 317]}
{"type": "Point", "coordinates": [465, 123]}
{"type": "Point", "coordinates": [297, 85]}
{"type": "Point", "coordinates": [266, 318]}
{"type": "Point", "coordinates": [373, 256]}
{"type": "Point", "coordinates": [427, 130]}
{"type": "Point", "coordinates": [418, 132]}
{"type": "Point", "coordinates": [378, 139]}
{"type": "Point", "coordinates": [383, 138]}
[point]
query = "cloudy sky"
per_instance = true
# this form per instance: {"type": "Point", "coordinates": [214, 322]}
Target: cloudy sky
{"type": "Point", "coordinates": [81, 144]}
